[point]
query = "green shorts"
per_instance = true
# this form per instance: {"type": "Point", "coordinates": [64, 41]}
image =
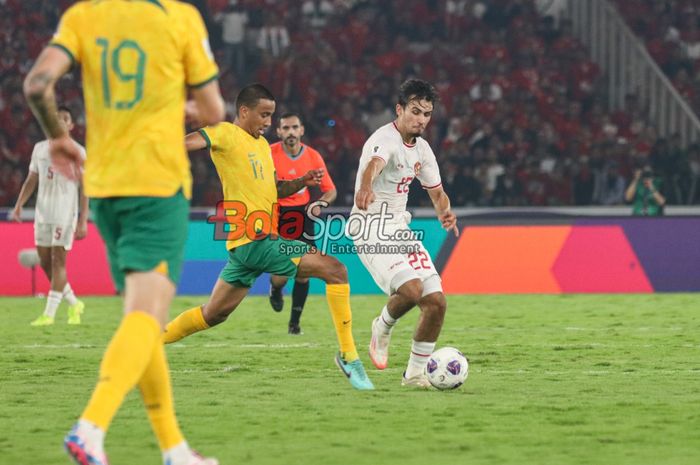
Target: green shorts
{"type": "Point", "coordinates": [143, 233]}
{"type": "Point", "coordinates": [278, 256]}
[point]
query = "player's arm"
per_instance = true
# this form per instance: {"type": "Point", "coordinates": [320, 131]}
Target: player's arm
{"type": "Point", "coordinates": [287, 188]}
{"type": "Point", "coordinates": [39, 91]}
{"type": "Point", "coordinates": [195, 141]}
{"type": "Point", "coordinates": [28, 188]}
{"type": "Point", "coordinates": [82, 227]}
{"type": "Point", "coordinates": [365, 195]}
{"type": "Point", "coordinates": [328, 191]}
{"type": "Point", "coordinates": [329, 196]}
{"type": "Point", "coordinates": [441, 202]}
{"type": "Point", "coordinates": [207, 107]}
{"type": "Point", "coordinates": [632, 188]}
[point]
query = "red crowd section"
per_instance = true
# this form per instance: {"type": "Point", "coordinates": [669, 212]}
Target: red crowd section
{"type": "Point", "coordinates": [522, 119]}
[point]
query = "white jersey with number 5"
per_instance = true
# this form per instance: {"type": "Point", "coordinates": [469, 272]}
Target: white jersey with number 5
{"type": "Point", "coordinates": [57, 199]}
{"type": "Point", "coordinates": [404, 163]}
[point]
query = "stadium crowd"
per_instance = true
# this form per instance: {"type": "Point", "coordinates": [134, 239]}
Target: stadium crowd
{"type": "Point", "coordinates": [671, 30]}
{"type": "Point", "coordinates": [522, 118]}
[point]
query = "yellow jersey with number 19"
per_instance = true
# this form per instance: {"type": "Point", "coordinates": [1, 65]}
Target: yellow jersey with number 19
{"type": "Point", "coordinates": [247, 174]}
{"type": "Point", "coordinates": [136, 58]}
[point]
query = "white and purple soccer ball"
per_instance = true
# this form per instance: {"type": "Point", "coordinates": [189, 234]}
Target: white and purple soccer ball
{"type": "Point", "coordinates": [447, 368]}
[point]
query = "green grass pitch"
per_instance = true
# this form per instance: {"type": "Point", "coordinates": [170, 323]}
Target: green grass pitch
{"type": "Point", "coordinates": [553, 380]}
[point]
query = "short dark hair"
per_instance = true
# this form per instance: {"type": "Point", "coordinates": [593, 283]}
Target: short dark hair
{"type": "Point", "coordinates": [290, 114]}
{"type": "Point", "coordinates": [250, 95]}
{"type": "Point", "coordinates": [416, 89]}
{"type": "Point", "coordinates": [67, 110]}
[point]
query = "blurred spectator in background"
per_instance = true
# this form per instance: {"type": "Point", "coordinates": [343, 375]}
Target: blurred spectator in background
{"type": "Point", "coordinates": [610, 186]}
{"type": "Point", "coordinates": [233, 29]}
{"type": "Point", "coordinates": [273, 37]}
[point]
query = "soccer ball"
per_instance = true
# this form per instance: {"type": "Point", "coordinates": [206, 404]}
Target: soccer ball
{"type": "Point", "coordinates": [447, 368]}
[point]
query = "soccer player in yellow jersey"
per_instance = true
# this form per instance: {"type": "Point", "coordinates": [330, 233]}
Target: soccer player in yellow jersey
{"type": "Point", "coordinates": [243, 160]}
{"type": "Point", "coordinates": [137, 58]}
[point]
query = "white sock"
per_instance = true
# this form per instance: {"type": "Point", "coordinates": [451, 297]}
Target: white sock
{"type": "Point", "coordinates": [420, 353]}
{"type": "Point", "coordinates": [69, 295]}
{"type": "Point", "coordinates": [386, 322]}
{"type": "Point", "coordinates": [178, 455]}
{"type": "Point", "coordinates": [52, 303]}
{"type": "Point", "coordinates": [92, 434]}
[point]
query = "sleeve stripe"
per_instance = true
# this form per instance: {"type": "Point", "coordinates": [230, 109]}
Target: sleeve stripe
{"type": "Point", "coordinates": [158, 4]}
{"type": "Point", "coordinates": [432, 187]}
{"type": "Point", "coordinates": [206, 138]}
{"type": "Point", "coordinates": [380, 157]}
{"type": "Point", "coordinates": [205, 82]}
{"type": "Point", "coordinates": [65, 49]}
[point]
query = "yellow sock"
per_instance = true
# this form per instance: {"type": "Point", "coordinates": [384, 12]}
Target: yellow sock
{"type": "Point", "coordinates": [157, 396]}
{"type": "Point", "coordinates": [338, 296]}
{"type": "Point", "coordinates": [123, 364]}
{"type": "Point", "coordinates": [186, 323]}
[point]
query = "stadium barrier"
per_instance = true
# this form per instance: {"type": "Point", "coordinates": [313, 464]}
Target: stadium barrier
{"type": "Point", "coordinates": [497, 252]}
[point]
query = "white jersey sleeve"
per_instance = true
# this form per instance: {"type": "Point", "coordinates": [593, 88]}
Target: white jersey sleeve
{"type": "Point", "coordinates": [429, 173]}
{"type": "Point", "coordinates": [33, 164]}
{"type": "Point", "coordinates": [379, 145]}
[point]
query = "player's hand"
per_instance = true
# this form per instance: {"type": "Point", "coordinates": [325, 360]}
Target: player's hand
{"type": "Point", "coordinates": [16, 215]}
{"type": "Point", "coordinates": [65, 157]}
{"type": "Point", "coordinates": [81, 230]}
{"type": "Point", "coordinates": [313, 178]}
{"type": "Point", "coordinates": [449, 222]}
{"type": "Point", "coordinates": [192, 114]}
{"type": "Point", "coordinates": [364, 198]}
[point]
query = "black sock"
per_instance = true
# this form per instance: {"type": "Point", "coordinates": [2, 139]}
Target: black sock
{"type": "Point", "coordinates": [299, 294]}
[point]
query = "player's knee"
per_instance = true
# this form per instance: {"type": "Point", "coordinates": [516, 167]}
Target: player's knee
{"type": "Point", "coordinates": [58, 260]}
{"type": "Point", "coordinates": [412, 291]}
{"type": "Point", "coordinates": [336, 272]}
{"type": "Point", "coordinates": [46, 265]}
{"type": "Point", "coordinates": [435, 304]}
{"type": "Point", "coordinates": [215, 315]}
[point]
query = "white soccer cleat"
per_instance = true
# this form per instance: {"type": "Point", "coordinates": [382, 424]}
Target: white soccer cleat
{"type": "Point", "coordinates": [419, 381]}
{"type": "Point", "coordinates": [183, 455]}
{"type": "Point", "coordinates": [199, 460]}
{"type": "Point", "coordinates": [78, 448]}
{"type": "Point", "coordinates": [379, 346]}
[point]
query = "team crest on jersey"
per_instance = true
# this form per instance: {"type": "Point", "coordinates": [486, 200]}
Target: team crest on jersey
{"type": "Point", "coordinates": [417, 167]}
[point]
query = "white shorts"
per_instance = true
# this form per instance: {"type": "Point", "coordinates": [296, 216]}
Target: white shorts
{"type": "Point", "coordinates": [52, 235]}
{"type": "Point", "coordinates": [394, 262]}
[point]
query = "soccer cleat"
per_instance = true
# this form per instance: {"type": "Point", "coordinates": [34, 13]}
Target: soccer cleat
{"type": "Point", "coordinates": [195, 459]}
{"type": "Point", "coordinates": [199, 460]}
{"type": "Point", "coordinates": [42, 320]}
{"type": "Point", "coordinates": [80, 453]}
{"type": "Point", "coordinates": [295, 330]}
{"type": "Point", "coordinates": [418, 381]}
{"type": "Point", "coordinates": [355, 372]}
{"type": "Point", "coordinates": [379, 346]}
{"type": "Point", "coordinates": [276, 299]}
{"type": "Point", "coordinates": [74, 312]}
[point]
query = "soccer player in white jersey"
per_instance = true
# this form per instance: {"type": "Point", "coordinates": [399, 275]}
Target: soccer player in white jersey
{"type": "Point", "coordinates": [391, 158]}
{"type": "Point", "coordinates": [57, 221]}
